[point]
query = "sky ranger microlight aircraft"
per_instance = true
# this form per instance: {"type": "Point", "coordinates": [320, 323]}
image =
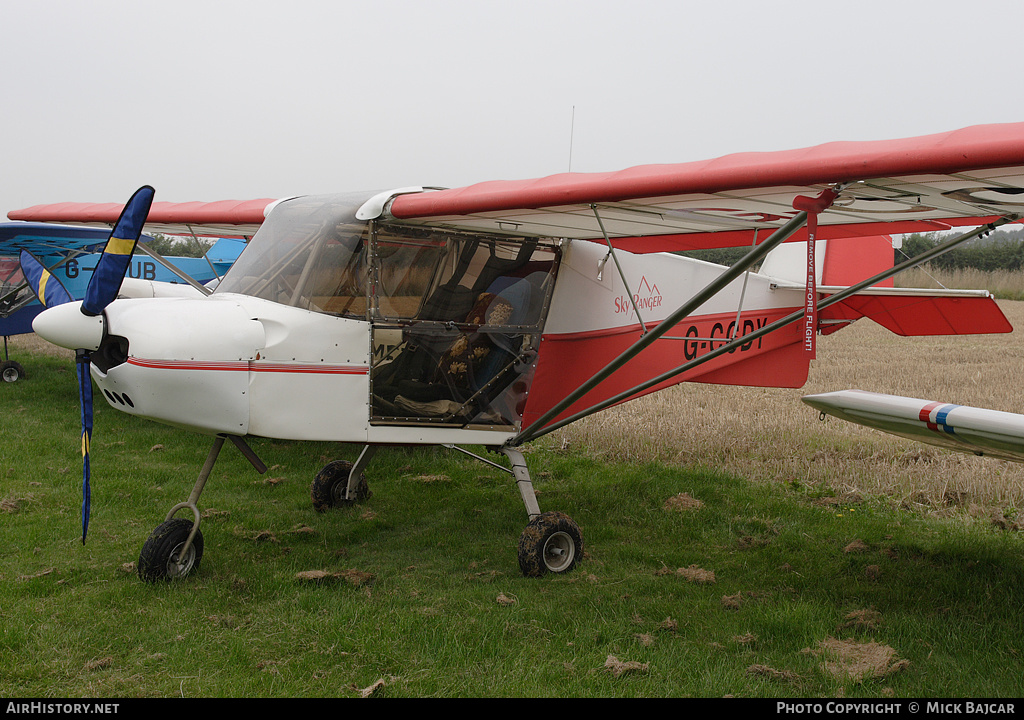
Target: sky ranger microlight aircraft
{"type": "Point", "coordinates": [493, 314]}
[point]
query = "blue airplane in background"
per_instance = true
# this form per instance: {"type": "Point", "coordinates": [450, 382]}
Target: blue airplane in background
{"type": "Point", "coordinates": [70, 253]}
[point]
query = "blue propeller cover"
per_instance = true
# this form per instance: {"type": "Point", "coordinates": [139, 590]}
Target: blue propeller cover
{"type": "Point", "coordinates": [82, 363]}
{"type": "Point", "coordinates": [44, 284]}
{"type": "Point", "coordinates": [113, 264]}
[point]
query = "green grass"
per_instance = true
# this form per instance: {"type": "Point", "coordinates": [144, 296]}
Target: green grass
{"type": "Point", "coordinates": [447, 612]}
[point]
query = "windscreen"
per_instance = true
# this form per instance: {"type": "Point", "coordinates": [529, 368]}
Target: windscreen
{"type": "Point", "coordinates": [311, 253]}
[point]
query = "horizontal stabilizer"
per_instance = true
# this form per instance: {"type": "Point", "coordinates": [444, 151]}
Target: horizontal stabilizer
{"type": "Point", "coordinates": [955, 427]}
{"type": "Point", "coordinates": [912, 312]}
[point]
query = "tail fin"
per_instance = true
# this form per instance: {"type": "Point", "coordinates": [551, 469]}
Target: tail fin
{"type": "Point", "coordinates": [839, 261]}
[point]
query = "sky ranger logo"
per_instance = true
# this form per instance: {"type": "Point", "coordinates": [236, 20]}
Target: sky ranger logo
{"type": "Point", "coordinates": [647, 297]}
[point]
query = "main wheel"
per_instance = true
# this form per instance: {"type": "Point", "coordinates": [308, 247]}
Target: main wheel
{"type": "Point", "coordinates": [161, 554]}
{"type": "Point", "coordinates": [11, 371]}
{"type": "Point", "coordinates": [552, 542]}
{"type": "Point", "coordinates": [331, 483]}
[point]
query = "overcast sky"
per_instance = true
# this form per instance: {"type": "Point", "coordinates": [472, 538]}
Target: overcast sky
{"type": "Point", "coordinates": [220, 99]}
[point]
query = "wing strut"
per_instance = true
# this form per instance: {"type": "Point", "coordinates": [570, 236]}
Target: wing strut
{"type": "Point", "coordinates": [743, 294]}
{"type": "Point", "coordinates": [622, 275]}
{"type": "Point", "coordinates": [538, 427]}
{"type": "Point", "coordinates": [176, 271]}
{"type": "Point", "coordinates": [712, 289]}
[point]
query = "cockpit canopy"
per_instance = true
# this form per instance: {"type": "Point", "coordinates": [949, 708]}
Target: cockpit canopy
{"type": "Point", "coordinates": [312, 253]}
{"type": "Point", "coordinates": [308, 249]}
{"type": "Point", "coordinates": [456, 316]}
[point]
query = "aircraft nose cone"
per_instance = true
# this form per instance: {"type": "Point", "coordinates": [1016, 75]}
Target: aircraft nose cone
{"type": "Point", "coordinates": [67, 326]}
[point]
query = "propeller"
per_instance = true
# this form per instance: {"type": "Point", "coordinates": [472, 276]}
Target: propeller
{"type": "Point", "coordinates": [117, 255]}
{"type": "Point", "coordinates": [102, 290]}
{"type": "Point", "coordinates": [46, 286]}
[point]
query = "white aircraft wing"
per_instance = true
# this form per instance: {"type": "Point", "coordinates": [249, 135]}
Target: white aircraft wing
{"type": "Point", "coordinates": [956, 427]}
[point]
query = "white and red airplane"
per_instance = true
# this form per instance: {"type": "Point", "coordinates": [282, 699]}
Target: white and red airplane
{"type": "Point", "coordinates": [492, 314]}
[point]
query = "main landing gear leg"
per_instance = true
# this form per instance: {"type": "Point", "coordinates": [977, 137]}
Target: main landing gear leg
{"type": "Point", "coordinates": [552, 541]}
{"type": "Point", "coordinates": [175, 547]}
{"type": "Point", "coordinates": [341, 483]}
{"type": "Point", "coordinates": [10, 371]}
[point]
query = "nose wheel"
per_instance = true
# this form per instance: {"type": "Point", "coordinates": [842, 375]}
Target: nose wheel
{"type": "Point", "coordinates": [168, 555]}
{"type": "Point", "coordinates": [174, 549]}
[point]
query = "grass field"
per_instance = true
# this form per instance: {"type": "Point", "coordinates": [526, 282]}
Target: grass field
{"type": "Point", "coordinates": [736, 546]}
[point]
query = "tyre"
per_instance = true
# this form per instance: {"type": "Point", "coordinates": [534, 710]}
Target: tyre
{"type": "Point", "coordinates": [159, 558]}
{"type": "Point", "coordinates": [331, 483]}
{"type": "Point", "coordinates": [11, 371]}
{"type": "Point", "coordinates": [551, 543]}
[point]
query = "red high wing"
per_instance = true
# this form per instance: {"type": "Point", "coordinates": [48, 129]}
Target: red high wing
{"type": "Point", "coordinates": [964, 177]}
{"type": "Point", "coordinates": [231, 217]}
{"type": "Point", "coordinates": [973, 148]}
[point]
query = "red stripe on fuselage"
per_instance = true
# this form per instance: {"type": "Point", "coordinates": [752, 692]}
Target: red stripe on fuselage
{"type": "Point", "coordinates": [249, 366]}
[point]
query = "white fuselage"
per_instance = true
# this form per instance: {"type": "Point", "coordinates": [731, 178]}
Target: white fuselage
{"type": "Point", "coordinates": [241, 365]}
{"type": "Point", "coordinates": [331, 327]}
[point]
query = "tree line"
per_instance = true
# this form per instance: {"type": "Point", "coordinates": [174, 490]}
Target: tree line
{"type": "Point", "coordinates": [179, 246]}
{"type": "Point", "coordinates": [1000, 250]}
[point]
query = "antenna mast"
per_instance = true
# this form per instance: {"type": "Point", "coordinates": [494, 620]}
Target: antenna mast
{"type": "Point", "coordinates": [572, 129]}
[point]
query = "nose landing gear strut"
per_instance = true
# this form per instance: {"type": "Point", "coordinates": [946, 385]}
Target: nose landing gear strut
{"type": "Point", "coordinates": [175, 547]}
